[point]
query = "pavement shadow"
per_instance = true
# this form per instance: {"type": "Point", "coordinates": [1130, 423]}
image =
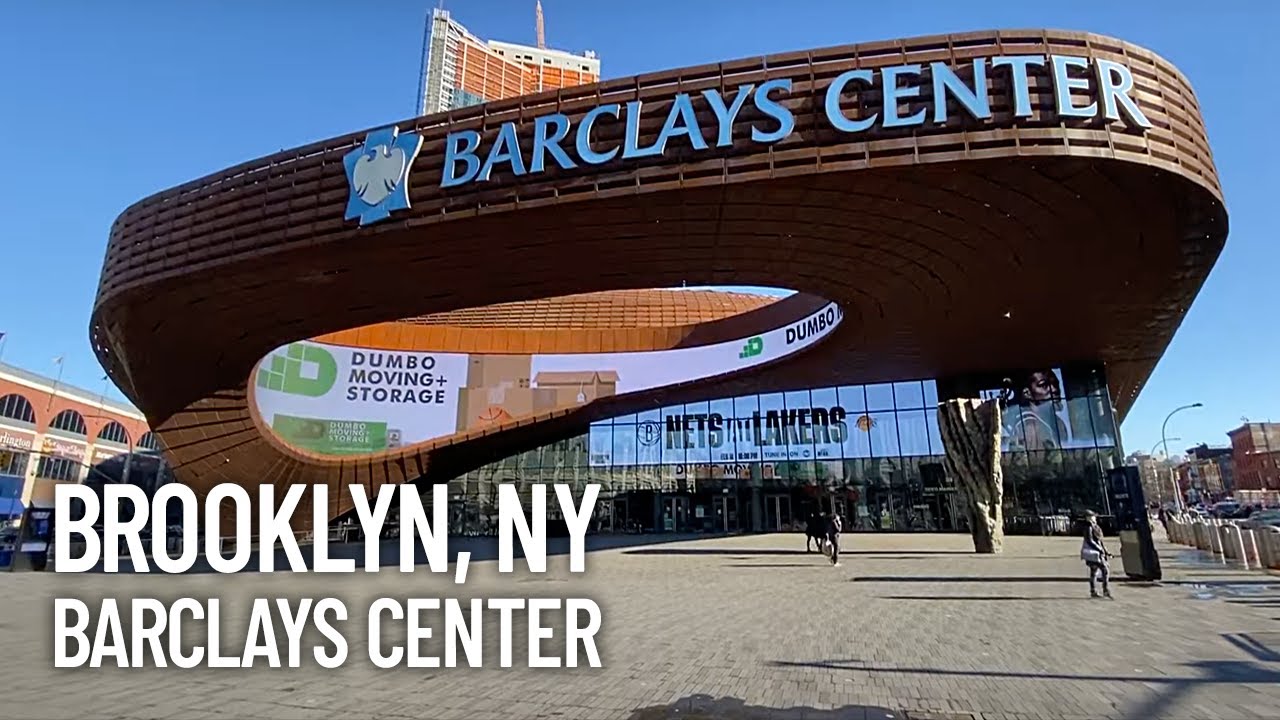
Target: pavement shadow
{"type": "Point", "coordinates": [481, 548]}
{"type": "Point", "coordinates": [797, 551]}
{"type": "Point", "coordinates": [705, 707]}
{"type": "Point", "coordinates": [815, 564]}
{"type": "Point", "coordinates": [971, 578]}
{"type": "Point", "coordinates": [1169, 688]}
{"type": "Point", "coordinates": [984, 598]}
{"type": "Point", "coordinates": [1129, 582]}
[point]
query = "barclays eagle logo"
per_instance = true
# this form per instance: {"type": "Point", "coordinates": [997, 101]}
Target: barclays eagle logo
{"type": "Point", "coordinates": [378, 174]}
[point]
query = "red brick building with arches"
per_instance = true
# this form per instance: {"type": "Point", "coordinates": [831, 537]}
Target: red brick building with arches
{"type": "Point", "coordinates": [51, 432]}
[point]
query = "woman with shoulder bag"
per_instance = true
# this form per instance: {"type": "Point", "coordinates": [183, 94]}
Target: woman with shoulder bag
{"type": "Point", "coordinates": [1095, 556]}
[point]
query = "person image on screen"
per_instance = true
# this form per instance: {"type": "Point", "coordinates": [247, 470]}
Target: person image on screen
{"type": "Point", "coordinates": [1038, 403]}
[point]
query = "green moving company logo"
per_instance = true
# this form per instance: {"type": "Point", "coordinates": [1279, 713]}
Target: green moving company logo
{"type": "Point", "coordinates": [332, 437]}
{"type": "Point", "coordinates": [754, 347]}
{"type": "Point", "coordinates": [286, 375]}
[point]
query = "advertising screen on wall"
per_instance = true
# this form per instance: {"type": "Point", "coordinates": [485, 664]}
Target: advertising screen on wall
{"type": "Point", "coordinates": [342, 400]}
{"type": "Point", "coordinates": [1050, 409]}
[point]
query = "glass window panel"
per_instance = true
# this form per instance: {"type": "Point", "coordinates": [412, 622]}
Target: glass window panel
{"type": "Point", "coordinates": [700, 437]}
{"type": "Point", "coordinates": [1104, 422]}
{"type": "Point", "coordinates": [602, 423]}
{"type": "Point", "coordinates": [532, 459]}
{"type": "Point", "coordinates": [827, 431]}
{"type": "Point", "coordinates": [1079, 425]}
{"type": "Point", "coordinates": [797, 425]}
{"type": "Point", "coordinates": [883, 434]}
{"type": "Point", "coordinates": [930, 393]}
{"type": "Point", "coordinates": [856, 434]}
{"type": "Point", "coordinates": [830, 473]}
{"type": "Point", "coordinates": [1044, 425]}
{"type": "Point", "coordinates": [651, 436]}
{"type": "Point", "coordinates": [675, 446]}
{"type": "Point", "coordinates": [721, 429]}
{"type": "Point", "coordinates": [880, 396]}
{"type": "Point", "coordinates": [672, 411]}
{"type": "Point", "coordinates": [696, 408]}
{"type": "Point", "coordinates": [796, 399]}
{"type": "Point", "coordinates": [1012, 438]}
{"type": "Point", "coordinates": [650, 415]}
{"type": "Point", "coordinates": [601, 440]}
{"type": "Point", "coordinates": [745, 407]}
{"type": "Point", "coordinates": [628, 419]}
{"type": "Point", "coordinates": [772, 401]}
{"type": "Point", "coordinates": [908, 395]}
{"type": "Point", "coordinates": [913, 433]}
{"type": "Point", "coordinates": [935, 433]}
{"type": "Point", "coordinates": [624, 444]}
{"type": "Point", "coordinates": [744, 434]}
{"type": "Point", "coordinates": [853, 399]}
{"type": "Point", "coordinates": [772, 434]}
{"type": "Point", "coordinates": [723, 406]}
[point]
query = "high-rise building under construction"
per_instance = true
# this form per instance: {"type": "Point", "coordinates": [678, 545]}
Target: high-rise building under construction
{"type": "Point", "coordinates": [459, 69]}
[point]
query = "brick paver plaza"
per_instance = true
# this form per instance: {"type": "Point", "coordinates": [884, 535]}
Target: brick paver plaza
{"type": "Point", "coordinates": [744, 627]}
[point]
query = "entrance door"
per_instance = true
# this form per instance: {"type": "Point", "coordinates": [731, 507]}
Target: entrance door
{"type": "Point", "coordinates": [675, 513]}
{"type": "Point", "coordinates": [621, 515]}
{"type": "Point", "coordinates": [777, 513]}
{"type": "Point", "coordinates": [725, 511]}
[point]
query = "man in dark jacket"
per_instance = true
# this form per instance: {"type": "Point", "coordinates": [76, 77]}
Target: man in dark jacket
{"type": "Point", "coordinates": [814, 532]}
{"type": "Point", "coordinates": [834, 527]}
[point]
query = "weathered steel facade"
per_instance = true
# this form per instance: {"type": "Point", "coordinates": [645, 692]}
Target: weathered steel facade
{"type": "Point", "coordinates": [952, 248]}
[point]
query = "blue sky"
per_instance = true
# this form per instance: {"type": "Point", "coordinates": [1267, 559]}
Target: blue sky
{"type": "Point", "coordinates": [107, 102]}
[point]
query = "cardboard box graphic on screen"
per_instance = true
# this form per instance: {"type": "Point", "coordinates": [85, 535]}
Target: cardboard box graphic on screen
{"type": "Point", "coordinates": [499, 389]}
{"type": "Point", "coordinates": [578, 387]}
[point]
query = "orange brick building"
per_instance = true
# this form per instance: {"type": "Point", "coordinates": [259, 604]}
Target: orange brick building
{"type": "Point", "coordinates": [459, 69]}
{"type": "Point", "coordinates": [51, 432]}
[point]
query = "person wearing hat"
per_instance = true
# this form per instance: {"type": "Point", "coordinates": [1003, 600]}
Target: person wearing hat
{"type": "Point", "coordinates": [1095, 555]}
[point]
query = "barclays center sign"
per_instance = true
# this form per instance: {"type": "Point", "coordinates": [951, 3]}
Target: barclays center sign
{"type": "Point", "coordinates": [378, 172]}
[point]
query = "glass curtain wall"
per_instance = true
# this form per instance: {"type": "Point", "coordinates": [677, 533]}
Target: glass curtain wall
{"type": "Point", "coordinates": [762, 463]}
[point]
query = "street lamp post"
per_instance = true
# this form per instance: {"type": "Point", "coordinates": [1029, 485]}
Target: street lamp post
{"type": "Point", "coordinates": [1165, 441]}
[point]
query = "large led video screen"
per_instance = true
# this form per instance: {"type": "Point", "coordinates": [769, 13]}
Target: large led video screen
{"type": "Point", "coordinates": [1050, 410]}
{"type": "Point", "coordinates": [343, 400]}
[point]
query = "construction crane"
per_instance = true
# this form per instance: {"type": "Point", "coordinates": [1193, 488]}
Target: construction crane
{"type": "Point", "coordinates": [542, 35]}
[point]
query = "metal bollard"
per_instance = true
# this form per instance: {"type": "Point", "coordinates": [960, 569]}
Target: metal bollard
{"type": "Point", "coordinates": [1244, 555]}
{"type": "Point", "coordinates": [1253, 546]}
{"type": "Point", "coordinates": [1271, 547]}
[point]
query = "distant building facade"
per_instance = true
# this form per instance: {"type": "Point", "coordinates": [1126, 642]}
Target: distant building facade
{"type": "Point", "coordinates": [1206, 474]}
{"type": "Point", "coordinates": [459, 69]}
{"type": "Point", "coordinates": [1156, 472]}
{"type": "Point", "coordinates": [1255, 450]}
{"type": "Point", "coordinates": [52, 433]}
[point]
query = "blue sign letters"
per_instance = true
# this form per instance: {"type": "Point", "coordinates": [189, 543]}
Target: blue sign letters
{"type": "Point", "coordinates": [935, 93]}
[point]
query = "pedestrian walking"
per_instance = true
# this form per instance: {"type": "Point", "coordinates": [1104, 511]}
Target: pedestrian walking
{"type": "Point", "coordinates": [835, 525]}
{"type": "Point", "coordinates": [815, 532]}
{"type": "Point", "coordinates": [1095, 556]}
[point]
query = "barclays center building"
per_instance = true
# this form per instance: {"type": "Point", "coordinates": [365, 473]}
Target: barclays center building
{"type": "Point", "coordinates": [565, 288]}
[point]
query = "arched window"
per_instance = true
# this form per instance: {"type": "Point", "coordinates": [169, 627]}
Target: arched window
{"type": "Point", "coordinates": [69, 421]}
{"type": "Point", "coordinates": [149, 441]}
{"type": "Point", "coordinates": [114, 432]}
{"type": "Point", "coordinates": [16, 407]}
{"type": "Point", "coordinates": [57, 468]}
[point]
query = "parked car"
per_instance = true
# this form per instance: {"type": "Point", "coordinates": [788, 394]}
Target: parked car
{"type": "Point", "coordinates": [1261, 519]}
{"type": "Point", "coordinates": [1225, 509]}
